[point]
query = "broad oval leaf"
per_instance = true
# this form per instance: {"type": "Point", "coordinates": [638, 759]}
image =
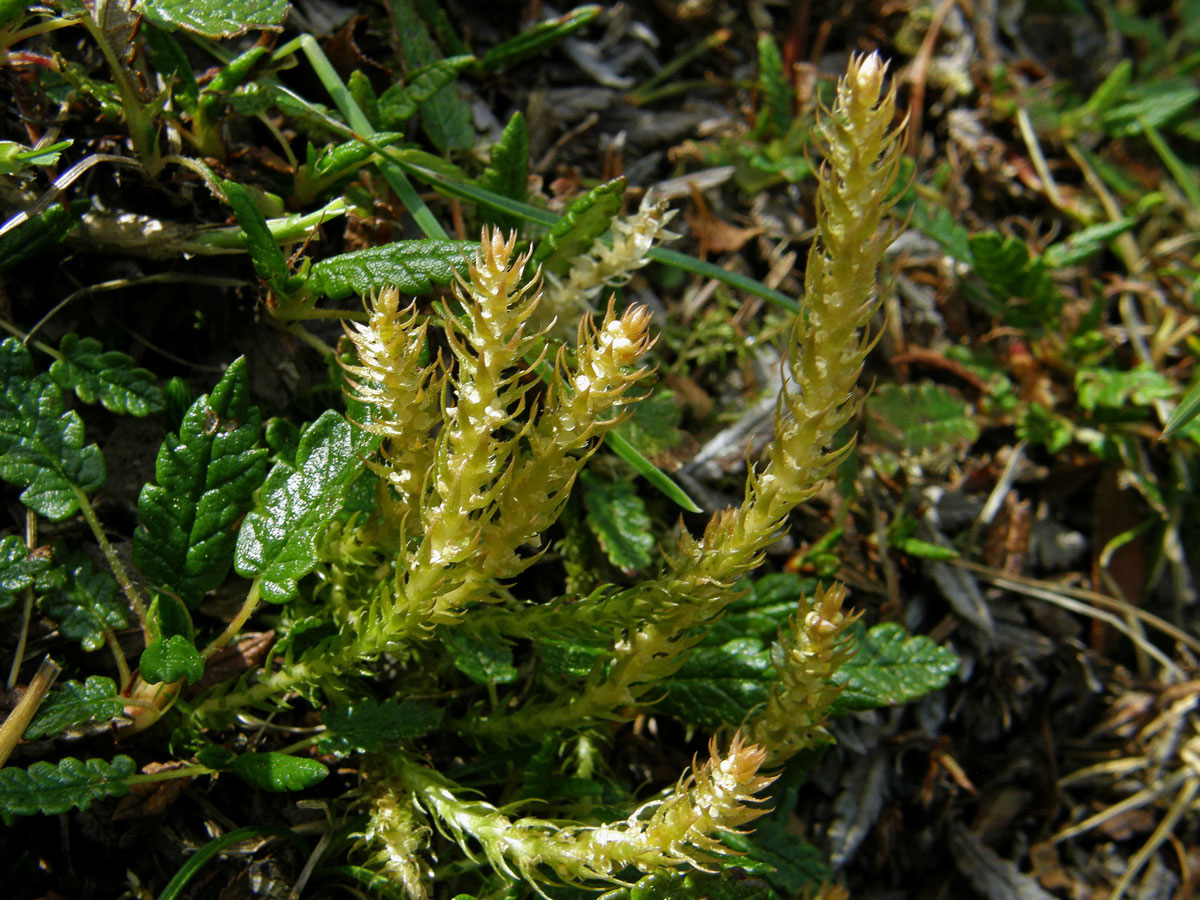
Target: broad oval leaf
{"type": "Point", "coordinates": [216, 18]}
{"type": "Point", "coordinates": [168, 659]}
{"type": "Point", "coordinates": [891, 666]}
{"type": "Point", "coordinates": [278, 540]}
{"type": "Point", "coordinates": [278, 771]}
{"type": "Point", "coordinates": [207, 476]}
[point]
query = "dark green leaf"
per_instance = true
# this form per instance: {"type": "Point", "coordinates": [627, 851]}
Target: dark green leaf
{"type": "Point", "coordinates": [587, 218]}
{"type": "Point", "coordinates": [215, 18]}
{"type": "Point", "coordinates": [364, 95]}
{"type": "Point", "coordinates": [776, 96]}
{"type": "Point", "coordinates": [51, 789]}
{"type": "Point", "coordinates": [653, 428]}
{"type": "Point", "coordinates": [41, 446]}
{"type": "Point", "coordinates": [617, 516]}
{"type": "Point", "coordinates": [536, 39]}
{"type": "Point", "coordinates": [1025, 295]}
{"type": "Point", "coordinates": [763, 609]}
{"type": "Point", "coordinates": [337, 159]}
{"type": "Point", "coordinates": [890, 666]}
{"type": "Point", "coordinates": [916, 419]}
{"type": "Point", "coordinates": [568, 658]}
{"type": "Point", "coordinates": [1153, 103]}
{"type": "Point", "coordinates": [445, 116]}
{"type": "Point", "coordinates": [264, 252]}
{"type": "Point", "coordinates": [483, 661]}
{"type": "Point", "coordinates": [1114, 389]}
{"type": "Point", "coordinates": [939, 223]}
{"type": "Point", "coordinates": [169, 659]}
{"type": "Point", "coordinates": [1085, 243]}
{"type": "Point", "coordinates": [719, 685]}
{"type": "Point", "coordinates": [83, 601]}
{"type": "Point", "coordinates": [206, 476]}
{"type": "Point", "coordinates": [109, 378]}
{"type": "Point", "coordinates": [41, 232]}
{"type": "Point", "coordinates": [73, 704]}
{"type": "Point", "coordinates": [730, 884]}
{"type": "Point", "coordinates": [400, 102]}
{"type": "Point", "coordinates": [278, 540]}
{"type": "Point", "coordinates": [1185, 412]}
{"type": "Point", "coordinates": [789, 863]}
{"type": "Point", "coordinates": [412, 267]}
{"type": "Point", "coordinates": [18, 568]}
{"type": "Point", "coordinates": [278, 771]}
{"type": "Point", "coordinates": [172, 64]}
{"type": "Point", "coordinates": [365, 726]}
{"type": "Point", "coordinates": [508, 172]}
{"type": "Point", "coordinates": [169, 616]}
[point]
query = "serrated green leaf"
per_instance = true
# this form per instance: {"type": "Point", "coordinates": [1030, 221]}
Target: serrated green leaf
{"type": "Point", "coordinates": [618, 518]}
{"type": "Point", "coordinates": [1085, 243]}
{"type": "Point", "coordinates": [937, 222]}
{"type": "Point", "coordinates": [110, 378]}
{"type": "Point", "coordinates": [206, 478]}
{"type": "Point", "coordinates": [730, 884]}
{"type": "Point", "coordinates": [215, 18]}
{"type": "Point", "coordinates": [413, 267]}
{"type": "Point", "coordinates": [72, 704]}
{"type": "Point", "coordinates": [1037, 425]}
{"type": "Point", "coordinates": [534, 40]}
{"type": "Point", "coordinates": [588, 217]}
{"type": "Point", "coordinates": [917, 419]}
{"type": "Point", "coordinates": [445, 116]}
{"type": "Point", "coordinates": [719, 685]}
{"type": "Point", "coordinates": [83, 600]}
{"type": "Point", "coordinates": [50, 789]}
{"type": "Point", "coordinates": [764, 607]}
{"type": "Point", "coordinates": [364, 95]}
{"type": "Point", "coordinates": [278, 540]}
{"type": "Point", "coordinates": [400, 102]}
{"type": "Point", "coordinates": [18, 568]}
{"type": "Point", "coordinates": [569, 658]}
{"type": "Point", "coordinates": [483, 661]}
{"type": "Point", "coordinates": [41, 446]}
{"type": "Point", "coordinates": [41, 232]}
{"type": "Point", "coordinates": [788, 863]}
{"type": "Point", "coordinates": [365, 726]}
{"type": "Point", "coordinates": [168, 659]}
{"type": "Point", "coordinates": [890, 666]}
{"type": "Point", "coordinates": [1028, 298]}
{"type": "Point", "coordinates": [508, 172]}
{"type": "Point", "coordinates": [1153, 103]}
{"type": "Point", "coordinates": [653, 427]}
{"type": "Point", "coordinates": [1114, 389]}
{"type": "Point", "coordinates": [265, 254]}
{"type": "Point", "coordinates": [776, 96]}
{"type": "Point", "coordinates": [334, 160]}
{"type": "Point", "coordinates": [278, 771]}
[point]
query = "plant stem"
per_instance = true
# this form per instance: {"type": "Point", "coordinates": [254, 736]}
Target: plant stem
{"type": "Point", "coordinates": [114, 561]}
{"type": "Point", "coordinates": [235, 624]}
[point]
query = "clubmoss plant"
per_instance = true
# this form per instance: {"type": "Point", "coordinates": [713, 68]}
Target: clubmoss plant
{"type": "Point", "coordinates": [413, 523]}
